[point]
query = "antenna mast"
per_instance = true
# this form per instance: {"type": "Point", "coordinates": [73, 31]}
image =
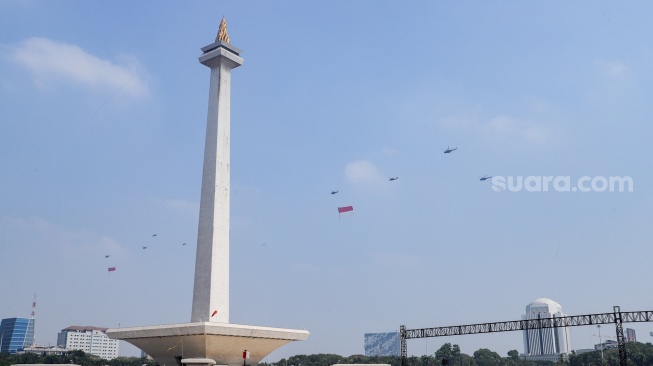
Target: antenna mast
{"type": "Point", "coordinates": [32, 317]}
{"type": "Point", "coordinates": [34, 307]}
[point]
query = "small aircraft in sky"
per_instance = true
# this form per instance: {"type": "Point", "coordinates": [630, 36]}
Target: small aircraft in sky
{"type": "Point", "coordinates": [450, 150]}
{"type": "Point", "coordinates": [334, 192]}
{"type": "Point", "coordinates": [485, 177]}
{"type": "Point", "coordinates": [153, 235]}
{"type": "Point", "coordinates": [391, 178]}
{"type": "Point", "coordinates": [107, 256]}
{"type": "Point", "coordinates": [145, 247]}
{"type": "Point", "coordinates": [184, 244]}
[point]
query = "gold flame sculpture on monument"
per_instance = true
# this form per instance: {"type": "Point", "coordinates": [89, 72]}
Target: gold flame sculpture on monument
{"type": "Point", "coordinates": [222, 36]}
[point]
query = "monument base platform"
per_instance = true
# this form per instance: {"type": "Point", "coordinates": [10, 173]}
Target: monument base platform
{"type": "Point", "coordinates": [222, 343]}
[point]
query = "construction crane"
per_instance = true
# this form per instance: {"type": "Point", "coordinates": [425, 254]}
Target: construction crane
{"type": "Point", "coordinates": [616, 317]}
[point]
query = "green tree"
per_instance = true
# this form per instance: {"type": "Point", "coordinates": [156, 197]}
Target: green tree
{"type": "Point", "coordinates": [444, 353]}
{"type": "Point", "coordinates": [513, 355]}
{"type": "Point", "coordinates": [455, 354]}
{"type": "Point", "coordinates": [414, 361]}
{"type": "Point", "coordinates": [74, 357]}
{"type": "Point", "coordinates": [561, 361]}
{"type": "Point", "coordinates": [485, 357]}
{"type": "Point", "coordinates": [513, 358]}
{"type": "Point", "coordinates": [466, 360]}
{"type": "Point", "coordinates": [4, 359]}
{"type": "Point", "coordinates": [427, 361]}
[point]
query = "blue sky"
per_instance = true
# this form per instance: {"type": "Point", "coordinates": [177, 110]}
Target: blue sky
{"type": "Point", "coordinates": [102, 117]}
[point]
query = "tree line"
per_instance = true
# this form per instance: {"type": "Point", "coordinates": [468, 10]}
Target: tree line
{"type": "Point", "coordinates": [639, 354]}
{"type": "Point", "coordinates": [76, 357]}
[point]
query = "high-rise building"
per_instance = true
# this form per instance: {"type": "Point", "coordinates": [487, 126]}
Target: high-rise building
{"type": "Point", "coordinates": [630, 335]}
{"type": "Point", "coordinates": [545, 344]}
{"type": "Point", "coordinates": [93, 340]}
{"type": "Point", "coordinates": [16, 334]}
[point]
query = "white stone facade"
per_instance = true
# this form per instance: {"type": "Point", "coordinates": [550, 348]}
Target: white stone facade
{"type": "Point", "coordinates": [551, 342]}
{"type": "Point", "coordinates": [211, 288]}
{"type": "Point", "coordinates": [92, 340]}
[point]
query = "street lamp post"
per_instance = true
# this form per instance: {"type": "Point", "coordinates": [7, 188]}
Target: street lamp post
{"type": "Point", "coordinates": [600, 343]}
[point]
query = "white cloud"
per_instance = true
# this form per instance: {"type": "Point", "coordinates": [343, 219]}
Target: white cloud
{"type": "Point", "coordinates": [303, 267]}
{"type": "Point", "coordinates": [47, 237]}
{"type": "Point", "coordinates": [110, 246]}
{"type": "Point", "coordinates": [182, 206]}
{"type": "Point", "coordinates": [611, 68]}
{"type": "Point", "coordinates": [393, 258]}
{"type": "Point", "coordinates": [457, 122]}
{"type": "Point", "coordinates": [507, 127]}
{"type": "Point", "coordinates": [47, 59]}
{"type": "Point", "coordinates": [502, 124]}
{"type": "Point", "coordinates": [390, 151]}
{"type": "Point", "coordinates": [503, 127]}
{"type": "Point", "coordinates": [536, 133]}
{"type": "Point", "coordinates": [363, 172]}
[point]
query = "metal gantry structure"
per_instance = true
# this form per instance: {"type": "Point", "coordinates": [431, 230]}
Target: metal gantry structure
{"type": "Point", "coordinates": [617, 317]}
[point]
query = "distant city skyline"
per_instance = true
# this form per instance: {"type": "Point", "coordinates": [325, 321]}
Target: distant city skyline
{"type": "Point", "coordinates": [370, 340]}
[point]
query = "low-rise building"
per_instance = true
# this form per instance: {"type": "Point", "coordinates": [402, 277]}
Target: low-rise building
{"type": "Point", "coordinates": [43, 350]}
{"type": "Point", "coordinates": [93, 340]}
{"type": "Point", "coordinates": [609, 344]}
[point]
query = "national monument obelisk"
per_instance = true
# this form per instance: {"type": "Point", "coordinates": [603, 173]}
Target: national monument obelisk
{"type": "Point", "coordinates": [209, 338]}
{"type": "Point", "coordinates": [211, 291]}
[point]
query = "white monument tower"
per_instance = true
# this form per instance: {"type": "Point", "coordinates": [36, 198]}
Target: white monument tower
{"type": "Point", "coordinates": [211, 292]}
{"type": "Point", "coordinates": [209, 338]}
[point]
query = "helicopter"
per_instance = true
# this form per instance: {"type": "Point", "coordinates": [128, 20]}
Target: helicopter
{"type": "Point", "coordinates": [450, 150]}
{"type": "Point", "coordinates": [485, 177]}
{"type": "Point", "coordinates": [334, 192]}
{"type": "Point", "coordinates": [391, 178]}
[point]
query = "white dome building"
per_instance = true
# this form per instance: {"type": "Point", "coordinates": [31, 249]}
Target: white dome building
{"type": "Point", "coordinates": [545, 344]}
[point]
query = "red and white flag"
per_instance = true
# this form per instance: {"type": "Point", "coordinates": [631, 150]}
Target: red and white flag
{"type": "Point", "coordinates": [345, 209]}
